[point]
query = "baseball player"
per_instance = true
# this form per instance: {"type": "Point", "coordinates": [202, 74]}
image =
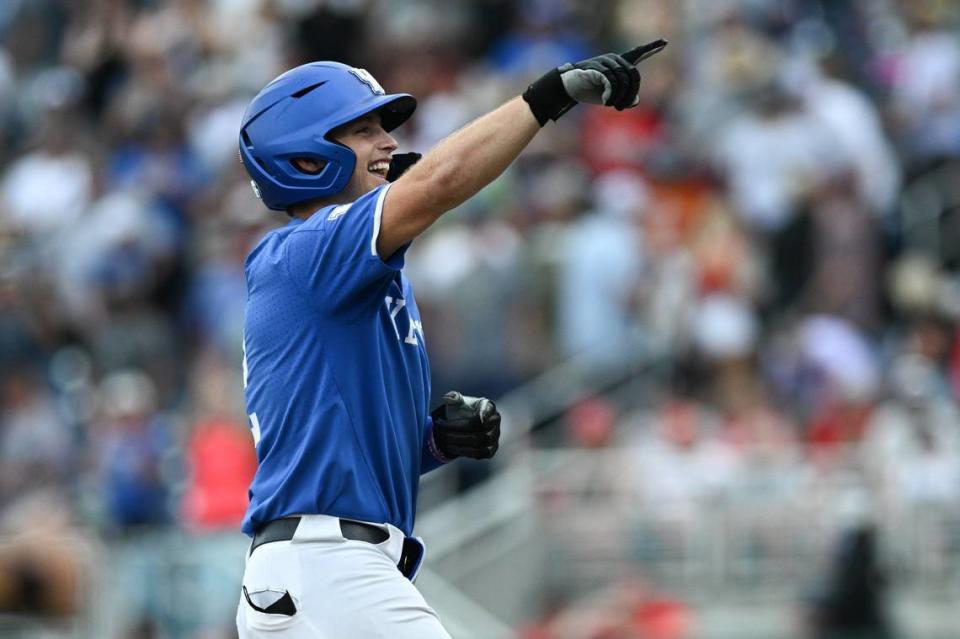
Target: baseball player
{"type": "Point", "coordinates": [335, 367]}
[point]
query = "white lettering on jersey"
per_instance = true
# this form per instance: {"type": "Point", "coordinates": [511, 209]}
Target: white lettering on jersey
{"type": "Point", "coordinates": [255, 428]}
{"type": "Point", "coordinates": [254, 420]}
{"type": "Point", "coordinates": [415, 327]}
{"type": "Point", "coordinates": [245, 370]}
{"type": "Point", "coordinates": [367, 78]}
{"type": "Point", "coordinates": [393, 312]}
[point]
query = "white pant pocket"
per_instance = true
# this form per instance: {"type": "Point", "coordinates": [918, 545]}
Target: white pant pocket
{"type": "Point", "coordinates": [280, 614]}
{"type": "Point", "coordinates": [270, 595]}
{"type": "Point", "coordinates": [271, 601]}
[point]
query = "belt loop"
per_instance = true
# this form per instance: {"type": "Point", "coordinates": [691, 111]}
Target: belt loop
{"type": "Point", "coordinates": [411, 557]}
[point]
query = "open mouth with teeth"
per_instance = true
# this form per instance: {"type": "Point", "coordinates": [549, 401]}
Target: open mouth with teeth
{"type": "Point", "coordinates": [379, 168]}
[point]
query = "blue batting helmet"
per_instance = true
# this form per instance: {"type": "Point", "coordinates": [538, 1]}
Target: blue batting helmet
{"type": "Point", "coordinates": [291, 117]}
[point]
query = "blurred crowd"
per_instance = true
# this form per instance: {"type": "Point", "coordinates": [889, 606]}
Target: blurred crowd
{"type": "Point", "coordinates": [780, 216]}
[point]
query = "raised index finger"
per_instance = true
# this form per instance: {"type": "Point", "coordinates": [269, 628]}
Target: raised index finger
{"type": "Point", "coordinates": [644, 51]}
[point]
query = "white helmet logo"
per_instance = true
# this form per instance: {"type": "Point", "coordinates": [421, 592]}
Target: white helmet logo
{"type": "Point", "coordinates": [256, 190]}
{"type": "Point", "coordinates": [364, 76]}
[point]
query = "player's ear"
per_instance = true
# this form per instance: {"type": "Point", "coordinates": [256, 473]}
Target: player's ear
{"type": "Point", "coordinates": [308, 166]}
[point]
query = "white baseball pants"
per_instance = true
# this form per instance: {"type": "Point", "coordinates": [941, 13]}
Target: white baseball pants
{"type": "Point", "coordinates": [340, 589]}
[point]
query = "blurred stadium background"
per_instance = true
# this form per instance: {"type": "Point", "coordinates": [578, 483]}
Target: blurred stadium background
{"type": "Point", "coordinates": [722, 327]}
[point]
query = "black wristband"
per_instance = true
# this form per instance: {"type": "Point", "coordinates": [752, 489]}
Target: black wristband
{"type": "Point", "coordinates": [547, 98]}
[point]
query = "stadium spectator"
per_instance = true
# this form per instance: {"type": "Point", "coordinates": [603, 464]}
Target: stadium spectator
{"type": "Point", "coordinates": [748, 223]}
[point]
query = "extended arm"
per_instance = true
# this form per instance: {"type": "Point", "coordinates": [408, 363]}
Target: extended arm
{"type": "Point", "coordinates": [465, 162]}
{"type": "Point", "coordinates": [455, 170]}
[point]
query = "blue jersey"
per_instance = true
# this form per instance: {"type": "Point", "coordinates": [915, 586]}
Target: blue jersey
{"type": "Point", "coordinates": [336, 374]}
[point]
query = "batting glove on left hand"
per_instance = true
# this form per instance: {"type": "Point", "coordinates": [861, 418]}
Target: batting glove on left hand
{"type": "Point", "coordinates": [465, 426]}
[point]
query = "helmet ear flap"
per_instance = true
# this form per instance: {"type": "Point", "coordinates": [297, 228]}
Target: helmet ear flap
{"type": "Point", "coordinates": [245, 137]}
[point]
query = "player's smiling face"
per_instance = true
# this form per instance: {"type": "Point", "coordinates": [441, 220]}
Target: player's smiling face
{"type": "Point", "coordinates": [373, 147]}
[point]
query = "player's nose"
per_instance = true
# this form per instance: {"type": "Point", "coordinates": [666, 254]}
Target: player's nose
{"type": "Point", "coordinates": [387, 142]}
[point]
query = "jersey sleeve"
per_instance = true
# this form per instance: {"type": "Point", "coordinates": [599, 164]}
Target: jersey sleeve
{"type": "Point", "coordinates": [334, 253]}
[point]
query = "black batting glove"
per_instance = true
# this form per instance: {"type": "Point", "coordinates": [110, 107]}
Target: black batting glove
{"type": "Point", "coordinates": [465, 427]}
{"type": "Point", "coordinates": [609, 79]}
{"type": "Point", "coordinates": [399, 163]}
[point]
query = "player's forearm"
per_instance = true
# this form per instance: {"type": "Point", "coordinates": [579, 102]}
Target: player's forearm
{"type": "Point", "coordinates": [477, 154]}
{"type": "Point", "coordinates": [455, 170]}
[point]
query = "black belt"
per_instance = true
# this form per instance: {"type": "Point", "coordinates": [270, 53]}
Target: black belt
{"type": "Point", "coordinates": [283, 529]}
